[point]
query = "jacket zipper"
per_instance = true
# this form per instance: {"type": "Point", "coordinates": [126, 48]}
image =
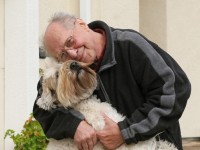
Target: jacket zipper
{"type": "Point", "coordinates": [103, 89]}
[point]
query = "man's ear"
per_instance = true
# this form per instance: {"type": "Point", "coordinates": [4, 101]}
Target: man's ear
{"type": "Point", "coordinates": [82, 23]}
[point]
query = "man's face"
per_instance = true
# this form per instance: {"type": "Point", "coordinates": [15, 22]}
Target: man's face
{"type": "Point", "coordinates": [65, 44]}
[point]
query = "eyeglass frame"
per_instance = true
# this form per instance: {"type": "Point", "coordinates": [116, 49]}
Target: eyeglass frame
{"type": "Point", "coordinates": [67, 46]}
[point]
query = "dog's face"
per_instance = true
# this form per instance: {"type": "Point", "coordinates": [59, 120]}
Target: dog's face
{"type": "Point", "coordinates": [76, 81]}
{"type": "Point", "coordinates": [68, 83]}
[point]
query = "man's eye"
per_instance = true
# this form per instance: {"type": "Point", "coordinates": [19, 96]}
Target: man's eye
{"type": "Point", "coordinates": [69, 43]}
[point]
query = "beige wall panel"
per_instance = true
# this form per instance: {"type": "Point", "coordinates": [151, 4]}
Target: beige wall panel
{"type": "Point", "coordinates": [2, 108]}
{"type": "Point", "coordinates": [1, 33]}
{"type": "Point", "coordinates": [153, 21]}
{"type": "Point", "coordinates": [2, 74]}
{"type": "Point", "coordinates": [21, 62]}
{"type": "Point", "coordinates": [183, 33]}
{"type": "Point", "coordinates": [117, 13]}
{"type": "Point", "coordinates": [48, 7]}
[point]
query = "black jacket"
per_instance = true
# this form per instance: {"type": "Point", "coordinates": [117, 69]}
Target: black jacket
{"type": "Point", "coordinates": [140, 80]}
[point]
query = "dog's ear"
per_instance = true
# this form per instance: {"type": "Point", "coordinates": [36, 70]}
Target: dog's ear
{"type": "Point", "coordinates": [63, 96]}
{"type": "Point", "coordinates": [46, 101]}
{"type": "Point", "coordinates": [50, 62]}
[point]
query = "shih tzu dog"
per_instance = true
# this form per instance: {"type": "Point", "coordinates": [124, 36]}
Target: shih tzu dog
{"type": "Point", "coordinates": [71, 85]}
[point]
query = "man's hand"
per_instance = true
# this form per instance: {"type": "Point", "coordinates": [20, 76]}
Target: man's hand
{"type": "Point", "coordinates": [85, 136]}
{"type": "Point", "coordinates": [110, 136]}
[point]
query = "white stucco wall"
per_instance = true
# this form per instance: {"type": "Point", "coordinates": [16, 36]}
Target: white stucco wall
{"type": "Point", "coordinates": [117, 13]}
{"type": "Point", "coordinates": [21, 62]}
{"type": "Point", "coordinates": [183, 43]}
{"type": "Point", "coordinates": [2, 70]}
{"type": "Point", "coordinates": [153, 18]}
{"type": "Point", "coordinates": [174, 25]}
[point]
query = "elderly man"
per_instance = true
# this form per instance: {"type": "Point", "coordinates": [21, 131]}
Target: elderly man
{"type": "Point", "coordinates": [136, 76]}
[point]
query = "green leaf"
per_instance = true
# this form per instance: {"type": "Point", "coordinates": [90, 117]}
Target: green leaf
{"type": "Point", "coordinates": [31, 137]}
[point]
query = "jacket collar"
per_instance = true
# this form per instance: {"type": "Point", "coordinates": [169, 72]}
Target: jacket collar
{"type": "Point", "coordinates": [109, 54]}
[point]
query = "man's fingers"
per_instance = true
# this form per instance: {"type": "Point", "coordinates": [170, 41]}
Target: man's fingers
{"type": "Point", "coordinates": [103, 115]}
{"type": "Point", "coordinates": [106, 118]}
{"type": "Point", "coordinates": [99, 134]}
{"type": "Point", "coordinates": [85, 146]}
{"type": "Point", "coordinates": [85, 136]}
{"type": "Point", "coordinates": [79, 146]}
{"type": "Point", "coordinates": [94, 139]}
{"type": "Point", "coordinates": [90, 144]}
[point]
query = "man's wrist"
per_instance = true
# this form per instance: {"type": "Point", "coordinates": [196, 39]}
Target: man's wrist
{"type": "Point", "coordinates": [74, 125]}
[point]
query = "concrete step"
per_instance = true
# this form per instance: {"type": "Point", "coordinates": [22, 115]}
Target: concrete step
{"type": "Point", "coordinates": [191, 144]}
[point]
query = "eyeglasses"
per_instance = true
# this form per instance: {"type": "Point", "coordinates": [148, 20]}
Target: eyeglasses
{"type": "Point", "coordinates": [69, 44]}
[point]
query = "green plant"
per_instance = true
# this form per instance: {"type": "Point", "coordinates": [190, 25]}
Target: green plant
{"type": "Point", "coordinates": [31, 137]}
{"type": "Point", "coordinates": [41, 71]}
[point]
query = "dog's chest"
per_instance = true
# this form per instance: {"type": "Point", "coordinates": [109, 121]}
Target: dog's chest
{"type": "Point", "coordinates": [92, 109]}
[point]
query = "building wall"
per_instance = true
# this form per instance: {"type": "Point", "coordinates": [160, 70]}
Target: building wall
{"type": "Point", "coordinates": [21, 63]}
{"type": "Point", "coordinates": [2, 71]}
{"type": "Point", "coordinates": [174, 25]}
{"type": "Point", "coordinates": [183, 43]}
{"type": "Point", "coordinates": [153, 19]}
{"type": "Point", "coordinates": [117, 13]}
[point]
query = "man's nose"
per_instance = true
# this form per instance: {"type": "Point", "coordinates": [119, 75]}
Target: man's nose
{"type": "Point", "coordinates": [72, 53]}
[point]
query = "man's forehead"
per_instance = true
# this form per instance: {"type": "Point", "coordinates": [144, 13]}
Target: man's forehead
{"type": "Point", "coordinates": [52, 39]}
{"type": "Point", "coordinates": [55, 28]}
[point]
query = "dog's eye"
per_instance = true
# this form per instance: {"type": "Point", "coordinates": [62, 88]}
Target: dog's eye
{"type": "Point", "coordinates": [57, 74]}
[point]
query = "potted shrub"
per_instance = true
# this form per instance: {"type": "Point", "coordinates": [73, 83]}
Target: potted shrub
{"type": "Point", "coordinates": [31, 137]}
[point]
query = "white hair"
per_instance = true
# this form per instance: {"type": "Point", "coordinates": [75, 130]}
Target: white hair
{"type": "Point", "coordinates": [63, 18]}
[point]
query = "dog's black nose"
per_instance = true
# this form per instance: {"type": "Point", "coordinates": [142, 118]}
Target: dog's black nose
{"type": "Point", "coordinates": [75, 66]}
